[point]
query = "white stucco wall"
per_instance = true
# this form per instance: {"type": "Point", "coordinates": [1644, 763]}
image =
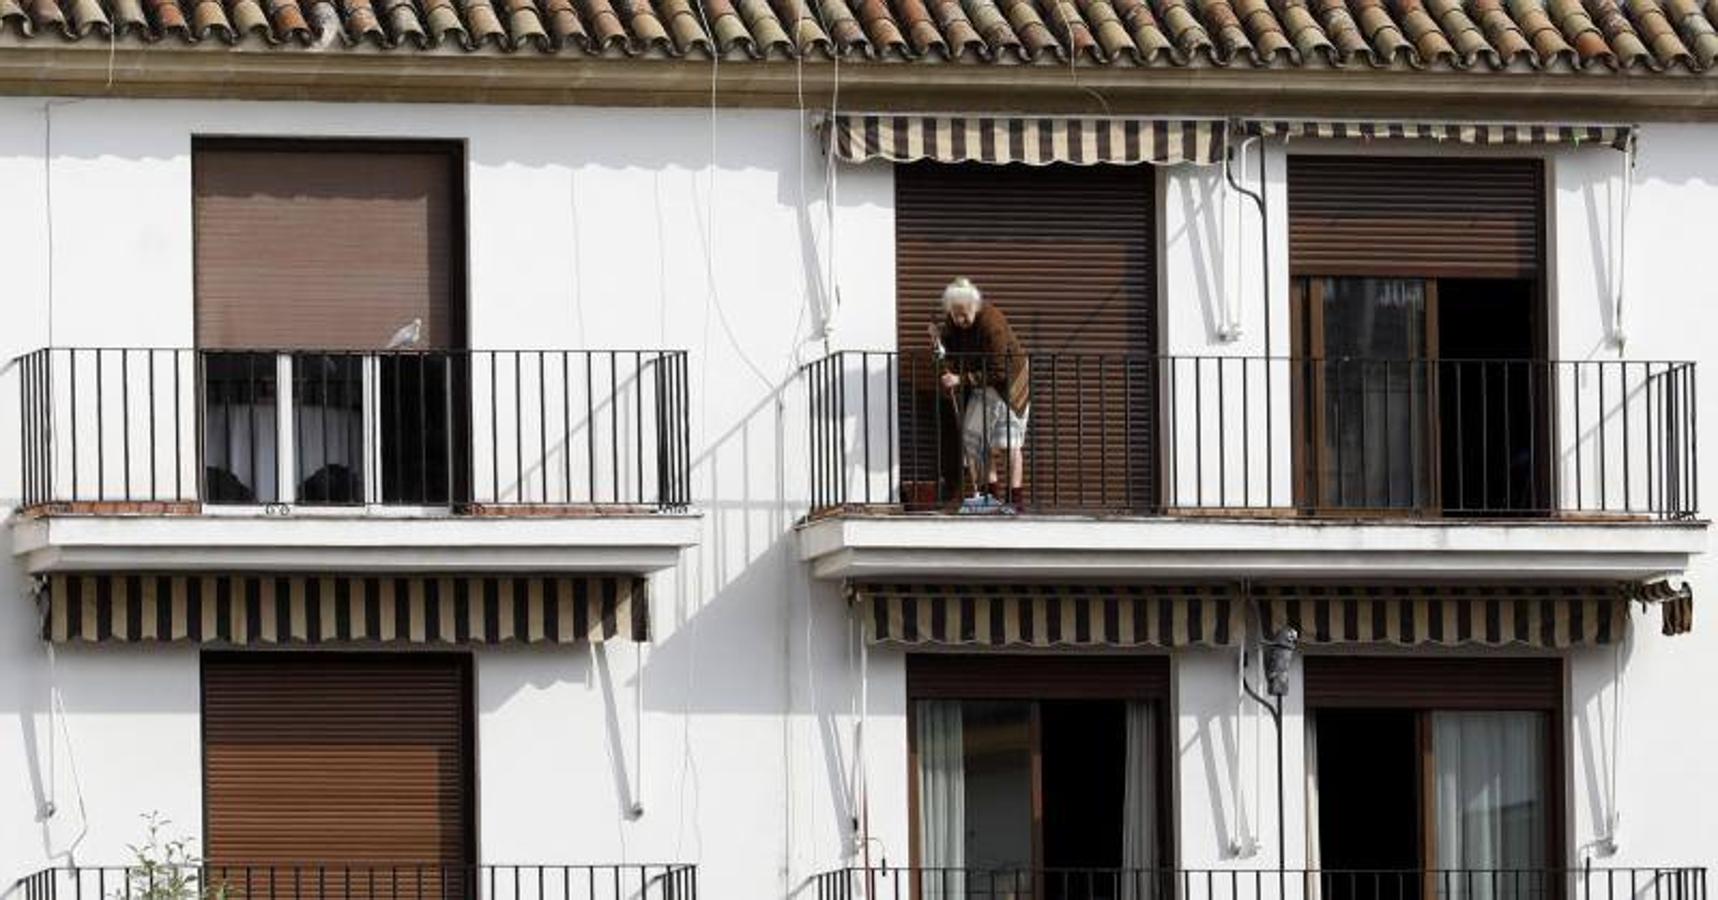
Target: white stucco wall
{"type": "Point", "coordinates": [604, 227]}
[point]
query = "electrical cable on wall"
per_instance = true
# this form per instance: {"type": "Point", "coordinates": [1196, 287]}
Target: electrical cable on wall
{"type": "Point", "coordinates": [1619, 244]}
{"type": "Point", "coordinates": [58, 729]}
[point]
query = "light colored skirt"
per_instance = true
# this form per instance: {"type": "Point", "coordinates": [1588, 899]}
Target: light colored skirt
{"type": "Point", "coordinates": [989, 424]}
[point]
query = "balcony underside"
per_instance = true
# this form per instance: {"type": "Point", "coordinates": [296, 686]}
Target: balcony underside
{"type": "Point", "coordinates": [612, 542]}
{"type": "Point", "coordinates": [872, 546]}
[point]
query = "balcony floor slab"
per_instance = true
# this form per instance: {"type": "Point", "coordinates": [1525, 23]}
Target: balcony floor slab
{"type": "Point", "coordinates": [299, 542]}
{"type": "Point", "coordinates": [1069, 547]}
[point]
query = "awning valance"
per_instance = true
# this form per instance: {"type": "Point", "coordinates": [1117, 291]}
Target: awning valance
{"type": "Point", "coordinates": [1534, 615]}
{"type": "Point", "coordinates": [860, 137]}
{"type": "Point", "coordinates": [1617, 137]}
{"type": "Point", "coordinates": [1027, 615]}
{"type": "Point", "coordinates": [263, 608]}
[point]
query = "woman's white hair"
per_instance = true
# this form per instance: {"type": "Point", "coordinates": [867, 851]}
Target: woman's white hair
{"type": "Point", "coordinates": [962, 290]}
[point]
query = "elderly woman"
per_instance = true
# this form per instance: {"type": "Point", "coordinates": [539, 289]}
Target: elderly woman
{"type": "Point", "coordinates": [985, 360]}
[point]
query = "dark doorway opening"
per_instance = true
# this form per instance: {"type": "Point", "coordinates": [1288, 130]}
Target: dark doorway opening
{"type": "Point", "coordinates": [1369, 815]}
{"type": "Point", "coordinates": [1085, 774]}
{"type": "Point", "coordinates": [1492, 397]}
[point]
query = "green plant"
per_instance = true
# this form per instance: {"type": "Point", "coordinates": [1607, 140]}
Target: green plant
{"type": "Point", "coordinates": [167, 867]}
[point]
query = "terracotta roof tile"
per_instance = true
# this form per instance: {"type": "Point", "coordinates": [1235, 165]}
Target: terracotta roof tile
{"type": "Point", "coordinates": [1624, 36]}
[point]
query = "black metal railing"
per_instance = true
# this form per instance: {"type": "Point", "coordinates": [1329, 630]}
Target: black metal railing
{"type": "Point", "coordinates": [346, 428]}
{"type": "Point", "coordinates": [1591, 883]}
{"type": "Point", "coordinates": [363, 881]}
{"type": "Point", "coordinates": [1152, 435]}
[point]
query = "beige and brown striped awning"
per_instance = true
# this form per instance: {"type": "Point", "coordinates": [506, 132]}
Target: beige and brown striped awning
{"type": "Point", "coordinates": [1617, 137]}
{"type": "Point", "coordinates": [1061, 615]}
{"type": "Point", "coordinates": [1548, 616]}
{"type": "Point", "coordinates": [251, 608]}
{"type": "Point", "coordinates": [996, 140]}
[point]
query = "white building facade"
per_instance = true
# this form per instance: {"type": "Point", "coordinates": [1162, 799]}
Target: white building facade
{"type": "Point", "coordinates": [717, 610]}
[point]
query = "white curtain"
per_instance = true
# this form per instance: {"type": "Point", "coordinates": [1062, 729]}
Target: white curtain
{"type": "Point", "coordinates": [1490, 803]}
{"type": "Point", "coordinates": [942, 799]}
{"type": "Point", "coordinates": [1314, 847]}
{"type": "Point", "coordinates": [1139, 799]}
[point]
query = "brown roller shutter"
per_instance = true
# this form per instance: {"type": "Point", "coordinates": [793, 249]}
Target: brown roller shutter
{"type": "Point", "coordinates": [1006, 677]}
{"type": "Point", "coordinates": [336, 759]}
{"type": "Point", "coordinates": [1066, 253]}
{"type": "Point", "coordinates": [321, 246]}
{"type": "Point", "coordinates": [1384, 682]}
{"type": "Point", "coordinates": [1413, 216]}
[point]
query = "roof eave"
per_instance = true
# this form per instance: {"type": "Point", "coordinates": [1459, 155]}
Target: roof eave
{"type": "Point", "coordinates": [66, 69]}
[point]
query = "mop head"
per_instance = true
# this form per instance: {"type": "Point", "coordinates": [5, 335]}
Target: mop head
{"type": "Point", "coordinates": [984, 505]}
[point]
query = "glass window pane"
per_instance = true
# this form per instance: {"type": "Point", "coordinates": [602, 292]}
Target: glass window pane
{"type": "Point", "coordinates": [1375, 393]}
{"type": "Point", "coordinates": [1491, 803]}
{"type": "Point", "coordinates": [239, 428]}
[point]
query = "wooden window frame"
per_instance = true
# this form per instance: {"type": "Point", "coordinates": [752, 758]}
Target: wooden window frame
{"type": "Point", "coordinates": [1306, 416]}
{"type": "Point", "coordinates": [1035, 679]}
{"type": "Point", "coordinates": [1456, 684]}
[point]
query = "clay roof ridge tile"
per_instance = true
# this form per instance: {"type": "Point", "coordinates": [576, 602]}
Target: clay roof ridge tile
{"type": "Point", "coordinates": [1660, 34]}
{"type": "Point", "coordinates": [249, 19]}
{"type": "Point", "coordinates": [684, 26]}
{"type": "Point", "coordinates": [603, 24]}
{"type": "Point", "coordinates": [766, 34]}
{"type": "Point", "coordinates": [1017, 31]}
{"type": "Point", "coordinates": [1423, 32]}
{"type": "Point", "coordinates": [1463, 34]}
{"type": "Point", "coordinates": [1151, 44]}
{"type": "Point", "coordinates": [960, 38]}
{"type": "Point", "coordinates": [885, 35]}
{"type": "Point", "coordinates": [86, 17]}
{"type": "Point", "coordinates": [128, 18]}
{"type": "Point", "coordinates": [1620, 35]}
{"type": "Point", "coordinates": [644, 30]}
{"type": "Point", "coordinates": [727, 30]}
{"type": "Point", "coordinates": [442, 23]}
{"type": "Point", "coordinates": [1184, 30]}
{"type": "Point", "coordinates": [524, 26]}
{"type": "Point", "coordinates": [402, 24]}
{"type": "Point", "coordinates": [1108, 31]}
{"type": "Point", "coordinates": [12, 15]}
{"type": "Point", "coordinates": [209, 20]}
{"type": "Point", "coordinates": [913, 19]}
{"type": "Point", "coordinates": [1230, 39]}
{"type": "Point", "coordinates": [359, 20]}
{"type": "Point", "coordinates": [1549, 47]}
{"type": "Point", "coordinates": [1268, 31]}
{"type": "Point", "coordinates": [1303, 30]}
{"type": "Point", "coordinates": [287, 20]}
{"type": "Point", "coordinates": [1348, 42]}
{"type": "Point", "coordinates": [1696, 31]}
{"type": "Point", "coordinates": [482, 24]}
{"type": "Point", "coordinates": [846, 33]}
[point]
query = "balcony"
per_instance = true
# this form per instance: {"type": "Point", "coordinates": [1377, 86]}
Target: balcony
{"type": "Point", "coordinates": [913, 883]}
{"type": "Point", "coordinates": [182, 458]}
{"type": "Point", "coordinates": [342, 880]}
{"type": "Point", "coordinates": [1199, 465]}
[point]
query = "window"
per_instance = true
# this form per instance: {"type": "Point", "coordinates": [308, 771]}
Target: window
{"type": "Point", "coordinates": [328, 316]}
{"type": "Point", "coordinates": [1446, 767]}
{"type": "Point", "coordinates": [357, 768]}
{"type": "Point", "coordinates": [1066, 253]}
{"type": "Point", "coordinates": [1418, 334]}
{"type": "Point", "coordinates": [1038, 777]}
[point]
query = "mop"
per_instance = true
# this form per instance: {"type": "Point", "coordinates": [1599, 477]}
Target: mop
{"type": "Point", "coordinates": [979, 503]}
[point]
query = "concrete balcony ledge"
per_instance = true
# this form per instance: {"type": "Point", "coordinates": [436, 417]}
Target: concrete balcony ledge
{"type": "Point", "coordinates": [303, 541]}
{"type": "Point", "coordinates": [1042, 547]}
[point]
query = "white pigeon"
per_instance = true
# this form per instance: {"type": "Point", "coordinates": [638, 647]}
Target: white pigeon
{"type": "Point", "coordinates": [408, 337]}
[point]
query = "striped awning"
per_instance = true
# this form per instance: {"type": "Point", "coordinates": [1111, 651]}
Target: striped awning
{"type": "Point", "coordinates": [1024, 615]}
{"type": "Point", "coordinates": [1084, 141]}
{"type": "Point", "coordinates": [251, 608]}
{"type": "Point", "coordinates": [1617, 137]}
{"type": "Point", "coordinates": [1537, 615]}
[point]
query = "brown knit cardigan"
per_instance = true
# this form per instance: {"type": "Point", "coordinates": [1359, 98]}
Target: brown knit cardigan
{"type": "Point", "coordinates": [989, 354]}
